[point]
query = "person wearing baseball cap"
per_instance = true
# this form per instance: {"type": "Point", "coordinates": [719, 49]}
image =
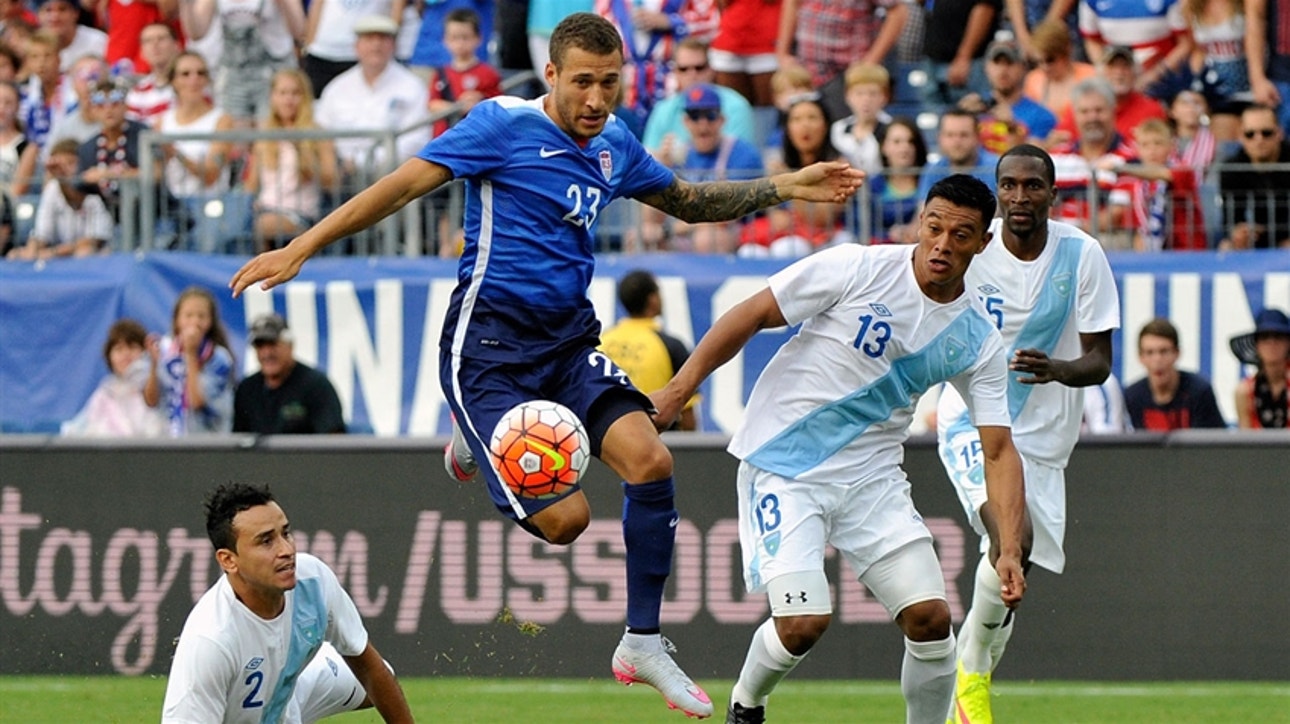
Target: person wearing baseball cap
{"type": "Point", "coordinates": [1006, 116]}
{"type": "Point", "coordinates": [285, 396]}
{"type": "Point", "coordinates": [1262, 400]}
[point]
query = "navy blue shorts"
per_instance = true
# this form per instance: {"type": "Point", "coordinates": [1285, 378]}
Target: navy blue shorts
{"type": "Point", "coordinates": [582, 379]}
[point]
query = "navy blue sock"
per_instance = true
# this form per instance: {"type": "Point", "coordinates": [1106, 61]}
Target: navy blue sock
{"type": "Point", "coordinates": [649, 530]}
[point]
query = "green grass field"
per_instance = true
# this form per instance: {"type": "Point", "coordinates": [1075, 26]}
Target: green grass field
{"type": "Point", "coordinates": [62, 700]}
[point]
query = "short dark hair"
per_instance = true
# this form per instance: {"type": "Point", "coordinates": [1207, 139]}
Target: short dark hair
{"type": "Point", "coordinates": [585, 31]}
{"type": "Point", "coordinates": [634, 291]}
{"type": "Point", "coordinates": [124, 331]}
{"type": "Point", "coordinates": [961, 189]}
{"type": "Point", "coordinates": [223, 505]}
{"type": "Point", "coordinates": [1159, 327]}
{"type": "Point", "coordinates": [465, 16]}
{"type": "Point", "coordinates": [1029, 150]}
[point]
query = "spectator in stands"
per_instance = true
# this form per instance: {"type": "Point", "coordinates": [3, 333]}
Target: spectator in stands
{"type": "Point", "coordinates": [797, 228]}
{"type": "Point", "coordinates": [10, 63]}
{"type": "Point", "coordinates": [1006, 117]}
{"type": "Point", "coordinates": [42, 101]}
{"type": "Point", "coordinates": [856, 136]}
{"type": "Point", "coordinates": [895, 190]}
{"type": "Point", "coordinates": [329, 47]}
{"type": "Point", "coordinates": [74, 40]}
{"type": "Point", "coordinates": [1219, 63]}
{"type": "Point", "coordinates": [666, 131]}
{"type": "Point", "coordinates": [1168, 398]}
{"type": "Point", "coordinates": [124, 21]}
{"type": "Point", "coordinates": [376, 94]}
{"type": "Point", "coordinates": [960, 149]}
{"type": "Point", "coordinates": [788, 84]}
{"type": "Point", "coordinates": [958, 32]}
{"type": "Point", "coordinates": [192, 374]}
{"type": "Point", "coordinates": [1255, 182]}
{"type": "Point", "coordinates": [18, 155]}
{"type": "Point", "coordinates": [259, 38]}
{"type": "Point", "coordinates": [111, 158]}
{"type": "Point", "coordinates": [650, 30]}
{"type": "Point", "coordinates": [1267, 40]}
{"type": "Point", "coordinates": [1194, 143]}
{"type": "Point", "coordinates": [116, 408]}
{"type": "Point", "coordinates": [639, 345]}
{"type": "Point", "coordinates": [287, 178]}
{"type": "Point", "coordinates": [827, 36]}
{"type": "Point", "coordinates": [1085, 166]}
{"type": "Point", "coordinates": [430, 51]}
{"type": "Point", "coordinates": [1131, 105]}
{"type": "Point", "coordinates": [711, 155]}
{"type": "Point", "coordinates": [16, 12]}
{"type": "Point", "coordinates": [1156, 33]}
{"type": "Point", "coordinates": [1025, 16]}
{"type": "Point", "coordinates": [1262, 401]}
{"type": "Point", "coordinates": [743, 51]}
{"type": "Point", "coordinates": [286, 396]}
{"type": "Point", "coordinates": [465, 79]}
{"type": "Point", "coordinates": [1053, 82]}
{"type": "Point", "coordinates": [70, 221]}
{"type": "Point", "coordinates": [1164, 194]}
{"type": "Point", "coordinates": [194, 169]}
{"type": "Point", "coordinates": [82, 122]}
{"type": "Point", "coordinates": [152, 94]}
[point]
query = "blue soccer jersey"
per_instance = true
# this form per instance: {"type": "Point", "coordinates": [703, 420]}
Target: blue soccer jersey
{"type": "Point", "coordinates": [533, 195]}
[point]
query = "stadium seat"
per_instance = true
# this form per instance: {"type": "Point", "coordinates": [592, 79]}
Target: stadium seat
{"type": "Point", "coordinates": [24, 217]}
{"type": "Point", "coordinates": [222, 225]}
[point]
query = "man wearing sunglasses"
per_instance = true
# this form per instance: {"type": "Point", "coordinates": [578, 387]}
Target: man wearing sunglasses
{"type": "Point", "coordinates": [665, 132]}
{"type": "Point", "coordinates": [111, 156]}
{"type": "Point", "coordinates": [1255, 182]}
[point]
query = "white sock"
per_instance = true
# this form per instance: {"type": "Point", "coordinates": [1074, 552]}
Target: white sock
{"type": "Point", "coordinates": [983, 637]}
{"type": "Point", "coordinates": [927, 680]}
{"type": "Point", "coordinates": [643, 642]}
{"type": "Point", "coordinates": [767, 663]}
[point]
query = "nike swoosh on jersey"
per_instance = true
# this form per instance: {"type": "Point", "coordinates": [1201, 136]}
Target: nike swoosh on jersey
{"type": "Point", "coordinates": [544, 153]}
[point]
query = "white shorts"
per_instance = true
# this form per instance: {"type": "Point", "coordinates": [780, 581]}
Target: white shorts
{"type": "Point", "coordinates": [724, 61]}
{"type": "Point", "coordinates": [1045, 495]}
{"type": "Point", "coordinates": [786, 525]}
{"type": "Point", "coordinates": [327, 687]}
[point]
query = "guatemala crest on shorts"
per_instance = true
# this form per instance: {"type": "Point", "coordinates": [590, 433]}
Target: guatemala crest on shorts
{"type": "Point", "coordinates": [606, 165]}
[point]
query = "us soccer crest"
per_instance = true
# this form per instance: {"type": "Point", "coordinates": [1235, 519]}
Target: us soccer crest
{"type": "Point", "coordinates": [606, 165]}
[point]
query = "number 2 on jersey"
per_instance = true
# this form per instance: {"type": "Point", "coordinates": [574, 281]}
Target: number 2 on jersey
{"type": "Point", "coordinates": [255, 680]}
{"type": "Point", "coordinates": [881, 334]}
{"type": "Point", "coordinates": [576, 217]}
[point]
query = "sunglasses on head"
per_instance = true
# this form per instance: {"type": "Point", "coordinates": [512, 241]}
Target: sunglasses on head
{"type": "Point", "coordinates": [99, 98]}
{"type": "Point", "coordinates": [703, 115]}
{"type": "Point", "coordinates": [1265, 132]}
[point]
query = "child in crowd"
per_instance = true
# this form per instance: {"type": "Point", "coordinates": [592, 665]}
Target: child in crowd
{"type": "Point", "coordinates": [117, 408]}
{"type": "Point", "coordinates": [467, 79]}
{"type": "Point", "coordinates": [1164, 196]}
{"type": "Point", "coordinates": [71, 220]}
{"type": "Point", "coordinates": [191, 377]}
{"type": "Point", "coordinates": [856, 137]}
{"type": "Point", "coordinates": [787, 84]}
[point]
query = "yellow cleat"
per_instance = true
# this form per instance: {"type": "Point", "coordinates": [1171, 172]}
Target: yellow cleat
{"type": "Point", "coordinates": [971, 699]}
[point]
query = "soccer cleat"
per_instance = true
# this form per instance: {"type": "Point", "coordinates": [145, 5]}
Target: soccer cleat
{"type": "Point", "coordinates": [458, 460]}
{"type": "Point", "coordinates": [657, 669]}
{"type": "Point", "coordinates": [738, 714]}
{"type": "Point", "coordinates": [971, 699]}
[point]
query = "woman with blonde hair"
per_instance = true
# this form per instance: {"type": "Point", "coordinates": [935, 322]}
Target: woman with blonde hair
{"type": "Point", "coordinates": [288, 177]}
{"type": "Point", "coordinates": [193, 168]}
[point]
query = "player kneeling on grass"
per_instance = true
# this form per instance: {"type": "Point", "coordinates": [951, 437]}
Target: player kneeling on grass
{"type": "Point", "coordinates": [820, 445]}
{"type": "Point", "coordinates": [276, 639]}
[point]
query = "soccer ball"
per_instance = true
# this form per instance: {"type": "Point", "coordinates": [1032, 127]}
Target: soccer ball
{"type": "Point", "coordinates": [540, 449]}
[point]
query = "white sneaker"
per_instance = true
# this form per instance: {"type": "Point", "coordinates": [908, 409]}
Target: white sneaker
{"type": "Point", "coordinates": [657, 669]}
{"type": "Point", "coordinates": [458, 460]}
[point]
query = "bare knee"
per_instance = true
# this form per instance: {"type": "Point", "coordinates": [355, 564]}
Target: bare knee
{"type": "Point", "coordinates": [799, 633]}
{"type": "Point", "coordinates": [651, 462]}
{"type": "Point", "coordinates": [562, 522]}
{"type": "Point", "coordinates": [925, 620]}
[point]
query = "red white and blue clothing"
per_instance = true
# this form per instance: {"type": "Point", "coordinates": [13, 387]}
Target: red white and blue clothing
{"type": "Point", "coordinates": [1150, 27]}
{"type": "Point", "coordinates": [216, 415]}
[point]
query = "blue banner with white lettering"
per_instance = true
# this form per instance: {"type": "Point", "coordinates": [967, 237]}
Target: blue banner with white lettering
{"type": "Point", "coordinates": [372, 324]}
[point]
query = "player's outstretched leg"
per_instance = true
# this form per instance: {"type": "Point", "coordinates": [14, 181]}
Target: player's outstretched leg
{"type": "Point", "coordinates": [458, 460]}
{"type": "Point", "coordinates": [927, 679]}
{"type": "Point", "coordinates": [649, 532]}
{"type": "Point", "coordinates": [982, 638]}
{"type": "Point", "coordinates": [767, 663]}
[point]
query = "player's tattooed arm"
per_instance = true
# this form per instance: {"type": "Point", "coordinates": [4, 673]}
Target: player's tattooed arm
{"type": "Point", "coordinates": [714, 201]}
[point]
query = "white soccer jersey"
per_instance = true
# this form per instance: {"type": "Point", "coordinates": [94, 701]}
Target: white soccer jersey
{"type": "Point", "coordinates": [1043, 304]}
{"type": "Point", "coordinates": [233, 666]}
{"type": "Point", "coordinates": [835, 402]}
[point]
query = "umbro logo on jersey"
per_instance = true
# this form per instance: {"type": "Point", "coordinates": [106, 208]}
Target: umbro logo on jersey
{"type": "Point", "coordinates": [254, 663]}
{"type": "Point", "coordinates": [544, 152]}
{"type": "Point", "coordinates": [880, 309]}
{"type": "Point", "coordinates": [989, 289]}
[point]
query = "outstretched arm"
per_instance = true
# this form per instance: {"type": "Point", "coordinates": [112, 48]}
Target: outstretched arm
{"type": "Point", "coordinates": [1006, 492]}
{"type": "Point", "coordinates": [382, 688]}
{"type": "Point", "coordinates": [833, 181]}
{"type": "Point", "coordinates": [415, 178]}
{"type": "Point", "coordinates": [1089, 369]}
{"type": "Point", "coordinates": [724, 340]}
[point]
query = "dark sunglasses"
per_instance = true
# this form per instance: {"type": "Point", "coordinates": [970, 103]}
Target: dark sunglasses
{"type": "Point", "coordinates": [688, 68]}
{"type": "Point", "coordinates": [707, 115]}
{"type": "Point", "coordinates": [1265, 132]}
{"type": "Point", "coordinates": [198, 71]}
{"type": "Point", "coordinates": [99, 98]}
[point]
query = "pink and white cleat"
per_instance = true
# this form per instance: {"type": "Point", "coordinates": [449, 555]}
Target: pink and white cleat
{"type": "Point", "coordinates": [656, 668]}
